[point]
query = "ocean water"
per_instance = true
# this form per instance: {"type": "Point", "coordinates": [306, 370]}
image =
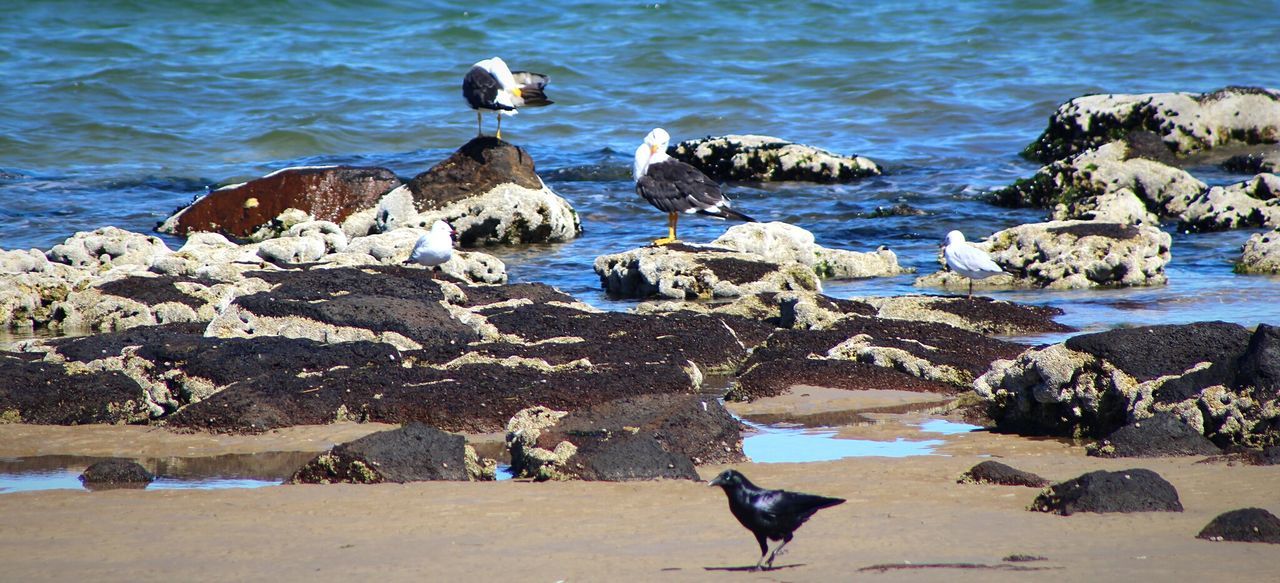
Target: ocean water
{"type": "Point", "coordinates": [118, 112]}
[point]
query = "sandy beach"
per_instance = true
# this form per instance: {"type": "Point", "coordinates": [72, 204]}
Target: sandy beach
{"type": "Point", "coordinates": [905, 518]}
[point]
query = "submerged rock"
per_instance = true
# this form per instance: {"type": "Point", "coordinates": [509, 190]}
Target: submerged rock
{"type": "Point", "coordinates": [326, 193]}
{"type": "Point", "coordinates": [412, 453]}
{"type": "Point", "coordinates": [1249, 204]}
{"type": "Point", "coordinates": [1250, 525]}
{"type": "Point", "coordinates": [1267, 161]}
{"type": "Point", "coordinates": [752, 158]}
{"type": "Point", "coordinates": [1185, 122]}
{"type": "Point", "coordinates": [1134, 490]}
{"type": "Point", "coordinates": [1213, 376]}
{"type": "Point", "coordinates": [993, 472]}
{"type": "Point", "coordinates": [116, 473]}
{"type": "Point", "coordinates": [1158, 436]}
{"type": "Point", "coordinates": [488, 192]}
{"type": "Point", "coordinates": [1073, 255]}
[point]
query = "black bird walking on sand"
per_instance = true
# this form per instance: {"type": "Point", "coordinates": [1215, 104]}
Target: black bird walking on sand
{"type": "Point", "coordinates": [771, 515]}
{"type": "Point", "coordinates": [491, 86]}
{"type": "Point", "coordinates": [675, 187]}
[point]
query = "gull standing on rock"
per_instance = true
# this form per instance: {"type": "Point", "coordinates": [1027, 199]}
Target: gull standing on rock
{"type": "Point", "coordinates": [434, 248]}
{"type": "Point", "coordinates": [674, 187]}
{"type": "Point", "coordinates": [967, 260]}
{"type": "Point", "coordinates": [491, 86]}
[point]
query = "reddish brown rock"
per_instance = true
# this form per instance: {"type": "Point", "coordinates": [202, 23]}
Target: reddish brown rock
{"type": "Point", "coordinates": [329, 193]}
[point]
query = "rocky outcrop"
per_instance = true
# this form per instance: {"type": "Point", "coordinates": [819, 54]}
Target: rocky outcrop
{"type": "Point", "coordinates": [111, 279]}
{"type": "Point", "coordinates": [325, 193]}
{"type": "Point", "coordinates": [385, 343]}
{"type": "Point", "coordinates": [864, 352]}
{"type": "Point", "coordinates": [993, 472]}
{"type": "Point", "coordinates": [1134, 490]}
{"type": "Point", "coordinates": [1072, 255]}
{"type": "Point", "coordinates": [752, 158]}
{"type": "Point", "coordinates": [1265, 161]}
{"type": "Point", "coordinates": [748, 259]}
{"type": "Point", "coordinates": [1218, 378]}
{"type": "Point", "coordinates": [1111, 182]}
{"type": "Point", "coordinates": [635, 438]}
{"type": "Point", "coordinates": [1260, 254]}
{"type": "Point", "coordinates": [488, 192]}
{"type": "Point", "coordinates": [1249, 525]}
{"type": "Point", "coordinates": [110, 474]}
{"type": "Point", "coordinates": [412, 453]}
{"type": "Point", "coordinates": [1161, 435]}
{"type": "Point", "coordinates": [1185, 122]}
{"type": "Point", "coordinates": [1249, 204]}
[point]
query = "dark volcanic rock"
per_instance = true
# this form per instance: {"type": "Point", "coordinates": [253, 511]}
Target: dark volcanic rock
{"type": "Point", "coordinates": [328, 193]}
{"type": "Point", "coordinates": [1161, 435]}
{"type": "Point", "coordinates": [116, 473]}
{"type": "Point", "coordinates": [473, 169]}
{"type": "Point", "coordinates": [151, 290]}
{"type": "Point", "coordinates": [1250, 525]}
{"type": "Point", "coordinates": [1150, 352]}
{"type": "Point", "coordinates": [43, 393]}
{"type": "Point", "coordinates": [988, 315]}
{"type": "Point", "coordinates": [1148, 145]}
{"type": "Point", "coordinates": [1260, 366]}
{"type": "Point", "coordinates": [412, 453]}
{"type": "Point", "coordinates": [629, 457]}
{"type": "Point", "coordinates": [993, 472]}
{"type": "Point", "coordinates": [772, 378]}
{"type": "Point", "coordinates": [695, 426]}
{"type": "Point", "coordinates": [1133, 490]}
{"type": "Point", "coordinates": [110, 344]}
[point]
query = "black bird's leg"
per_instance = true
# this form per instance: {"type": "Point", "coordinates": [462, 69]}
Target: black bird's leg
{"type": "Point", "coordinates": [764, 550]}
{"type": "Point", "coordinates": [777, 551]}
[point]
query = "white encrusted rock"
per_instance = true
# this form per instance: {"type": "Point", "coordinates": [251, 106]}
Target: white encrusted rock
{"type": "Point", "coordinates": [1251, 203]}
{"type": "Point", "coordinates": [108, 247]}
{"type": "Point", "coordinates": [1071, 186]}
{"type": "Point", "coordinates": [1072, 255]}
{"type": "Point", "coordinates": [1261, 254]}
{"type": "Point", "coordinates": [783, 243]}
{"type": "Point", "coordinates": [754, 158]}
{"type": "Point", "coordinates": [1186, 122]}
{"type": "Point", "coordinates": [685, 272]}
{"type": "Point", "coordinates": [508, 214]}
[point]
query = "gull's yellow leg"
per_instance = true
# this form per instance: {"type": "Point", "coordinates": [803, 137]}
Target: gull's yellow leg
{"type": "Point", "coordinates": [671, 230]}
{"type": "Point", "coordinates": [499, 134]}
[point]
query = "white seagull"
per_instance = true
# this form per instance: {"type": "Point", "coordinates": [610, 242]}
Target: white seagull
{"type": "Point", "coordinates": [968, 260]}
{"type": "Point", "coordinates": [674, 187]}
{"type": "Point", "coordinates": [435, 247]}
{"type": "Point", "coordinates": [490, 85]}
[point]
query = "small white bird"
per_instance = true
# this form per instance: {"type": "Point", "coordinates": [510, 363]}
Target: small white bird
{"type": "Point", "coordinates": [435, 247]}
{"type": "Point", "coordinates": [968, 260]}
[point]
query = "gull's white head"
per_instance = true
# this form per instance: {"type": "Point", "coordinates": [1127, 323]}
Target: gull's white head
{"type": "Point", "coordinates": [658, 140]}
{"type": "Point", "coordinates": [439, 228]}
{"type": "Point", "coordinates": [955, 237]}
{"type": "Point", "coordinates": [652, 151]}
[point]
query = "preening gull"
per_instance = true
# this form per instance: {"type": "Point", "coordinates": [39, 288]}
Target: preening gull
{"type": "Point", "coordinates": [675, 187]}
{"type": "Point", "coordinates": [968, 260]}
{"type": "Point", "coordinates": [491, 86]}
{"type": "Point", "coordinates": [435, 247]}
{"type": "Point", "coordinates": [771, 515]}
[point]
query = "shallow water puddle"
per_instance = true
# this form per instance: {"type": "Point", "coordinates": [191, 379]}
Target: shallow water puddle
{"type": "Point", "coordinates": [780, 444]}
{"type": "Point", "coordinates": [55, 472]}
{"type": "Point", "coordinates": [946, 427]}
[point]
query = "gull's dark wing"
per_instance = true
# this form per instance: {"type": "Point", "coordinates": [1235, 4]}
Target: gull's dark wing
{"type": "Point", "coordinates": [481, 90]}
{"type": "Point", "coordinates": [674, 186]}
{"type": "Point", "coordinates": [531, 88]}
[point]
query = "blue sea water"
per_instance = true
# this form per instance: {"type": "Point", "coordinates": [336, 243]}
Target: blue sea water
{"type": "Point", "coordinates": [117, 112]}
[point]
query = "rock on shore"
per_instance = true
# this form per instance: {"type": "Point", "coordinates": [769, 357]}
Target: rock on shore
{"type": "Point", "coordinates": [751, 158]}
{"type": "Point", "coordinates": [1218, 378]}
{"type": "Point", "coordinates": [1261, 253]}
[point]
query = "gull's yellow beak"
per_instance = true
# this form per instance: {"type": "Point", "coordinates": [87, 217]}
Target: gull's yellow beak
{"type": "Point", "coordinates": [653, 149]}
{"type": "Point", "coordinates": [516, 92]}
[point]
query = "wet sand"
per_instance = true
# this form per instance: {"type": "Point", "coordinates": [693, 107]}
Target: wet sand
{"type": "Point", "coordinates": [899, 511]}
